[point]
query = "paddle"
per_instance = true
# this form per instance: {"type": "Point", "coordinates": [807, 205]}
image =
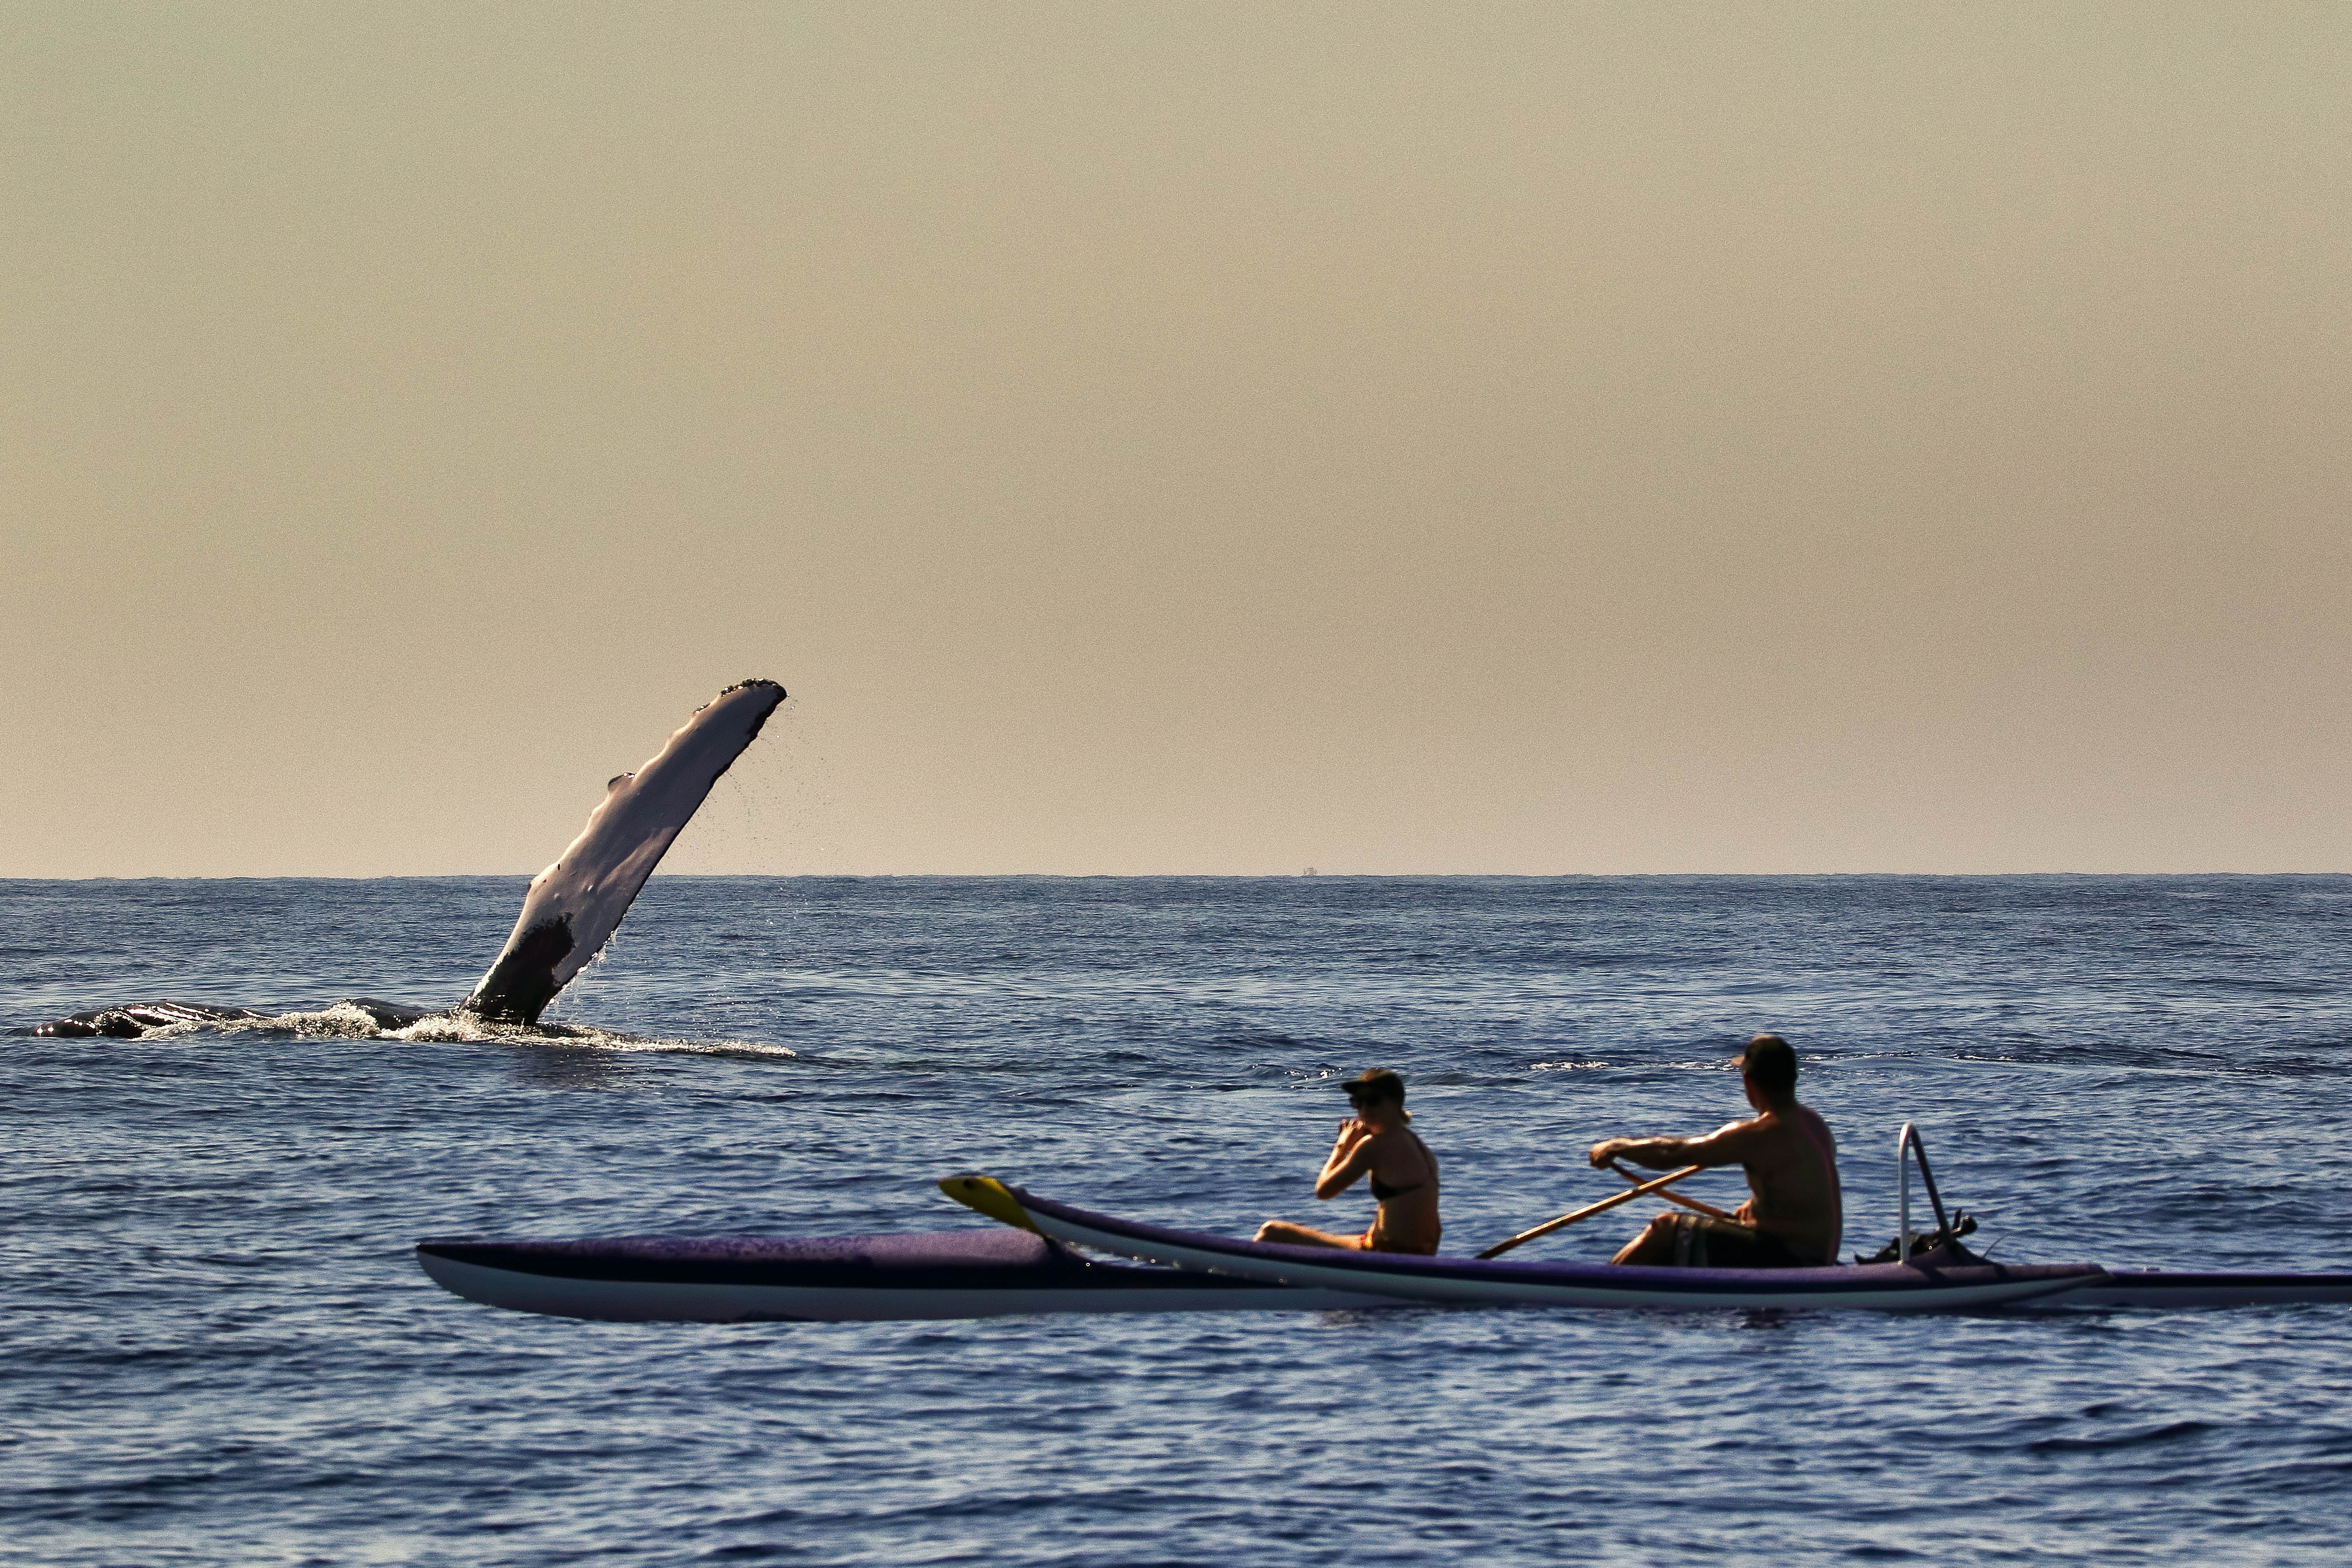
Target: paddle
{"type": "Point", "coordinates": [1707, 1209]}
{"type": "Point", "coordinates": [1589, 1210]}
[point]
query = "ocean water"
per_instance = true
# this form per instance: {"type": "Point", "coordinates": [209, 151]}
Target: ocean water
{"type": "Point", "coordinates": [217, 1347]}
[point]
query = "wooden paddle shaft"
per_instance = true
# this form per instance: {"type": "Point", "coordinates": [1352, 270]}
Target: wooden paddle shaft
{"type": "Point", "coordinates": [1692, 1203]}
{"type": "Point", "coordinates": [1589, 1210]}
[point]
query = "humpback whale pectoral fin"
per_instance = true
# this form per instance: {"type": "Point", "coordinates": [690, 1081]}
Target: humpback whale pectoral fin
{"type": "Point", "coordinates": [575, 905]}
{"type": "Point", "coordinates": [523, 982]}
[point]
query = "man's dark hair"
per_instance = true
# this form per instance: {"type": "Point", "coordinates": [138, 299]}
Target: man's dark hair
{"type": "Point", "coordinates": [1770, 1065]}
{"type": "Point", "coordinates": [1374, 1085]}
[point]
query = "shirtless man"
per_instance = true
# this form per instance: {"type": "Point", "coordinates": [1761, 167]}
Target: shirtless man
{"type": "Point", "coordinates": [1794, 1216]}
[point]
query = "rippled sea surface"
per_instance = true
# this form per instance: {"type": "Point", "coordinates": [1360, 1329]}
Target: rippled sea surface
{"type": "Point", "coordinates": [217, 1348]}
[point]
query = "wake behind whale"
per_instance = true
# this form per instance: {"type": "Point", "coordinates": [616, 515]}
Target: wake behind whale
{"type": "Point", "coordinates": [573, 906]}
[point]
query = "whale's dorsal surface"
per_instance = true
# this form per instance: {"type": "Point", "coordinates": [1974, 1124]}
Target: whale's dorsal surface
{"type": "Point", "coordinates": [576, 904]}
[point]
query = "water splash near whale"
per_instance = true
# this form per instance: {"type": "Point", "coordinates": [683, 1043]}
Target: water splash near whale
{"type": "Point", "coordinates": [573, 907]}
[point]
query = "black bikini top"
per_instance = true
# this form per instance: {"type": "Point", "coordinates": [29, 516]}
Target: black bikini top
{"type": "Point", "coordinates": [1382, 1192]}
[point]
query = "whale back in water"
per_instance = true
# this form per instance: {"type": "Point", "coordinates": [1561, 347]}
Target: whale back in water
{"type": "Point", "coordinates": [573, 907]}
{"type": "Point", "coordinates": [576, 904]}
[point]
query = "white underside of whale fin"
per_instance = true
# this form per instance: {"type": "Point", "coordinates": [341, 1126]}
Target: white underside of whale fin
{"type": "Point", "coordinates": [576, 904]}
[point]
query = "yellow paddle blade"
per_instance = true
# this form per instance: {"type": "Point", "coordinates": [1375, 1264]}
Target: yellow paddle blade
{"type": "Point", "coordinates": [991, 1197]}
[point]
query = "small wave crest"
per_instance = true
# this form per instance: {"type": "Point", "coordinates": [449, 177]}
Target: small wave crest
{"type": "Point", "coordinates": [2167, 1432]}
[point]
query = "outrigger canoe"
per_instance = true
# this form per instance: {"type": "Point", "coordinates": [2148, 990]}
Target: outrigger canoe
{"type": "Point", "coordinates": [1034, 1268]}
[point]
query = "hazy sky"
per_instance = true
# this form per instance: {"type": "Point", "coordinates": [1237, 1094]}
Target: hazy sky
{"type": "Point", "coordinates": [1202, 438]}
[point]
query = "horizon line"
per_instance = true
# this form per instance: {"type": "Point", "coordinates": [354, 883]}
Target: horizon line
{"type": "Point", "coordinates": [1313, 876]}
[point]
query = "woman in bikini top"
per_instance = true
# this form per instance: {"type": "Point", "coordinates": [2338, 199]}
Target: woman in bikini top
{"type": "Point", "coordinates": [1376, 1142]}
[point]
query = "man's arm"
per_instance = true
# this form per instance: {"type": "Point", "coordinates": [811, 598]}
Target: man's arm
{"type": "Point", "coordinates": [1728, 1145]}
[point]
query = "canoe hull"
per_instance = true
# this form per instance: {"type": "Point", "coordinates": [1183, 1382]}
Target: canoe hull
{"type": "Point", "coordinates": [1006, 1273]}
{"type": "Point", "coordinates": [836, 1280]}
